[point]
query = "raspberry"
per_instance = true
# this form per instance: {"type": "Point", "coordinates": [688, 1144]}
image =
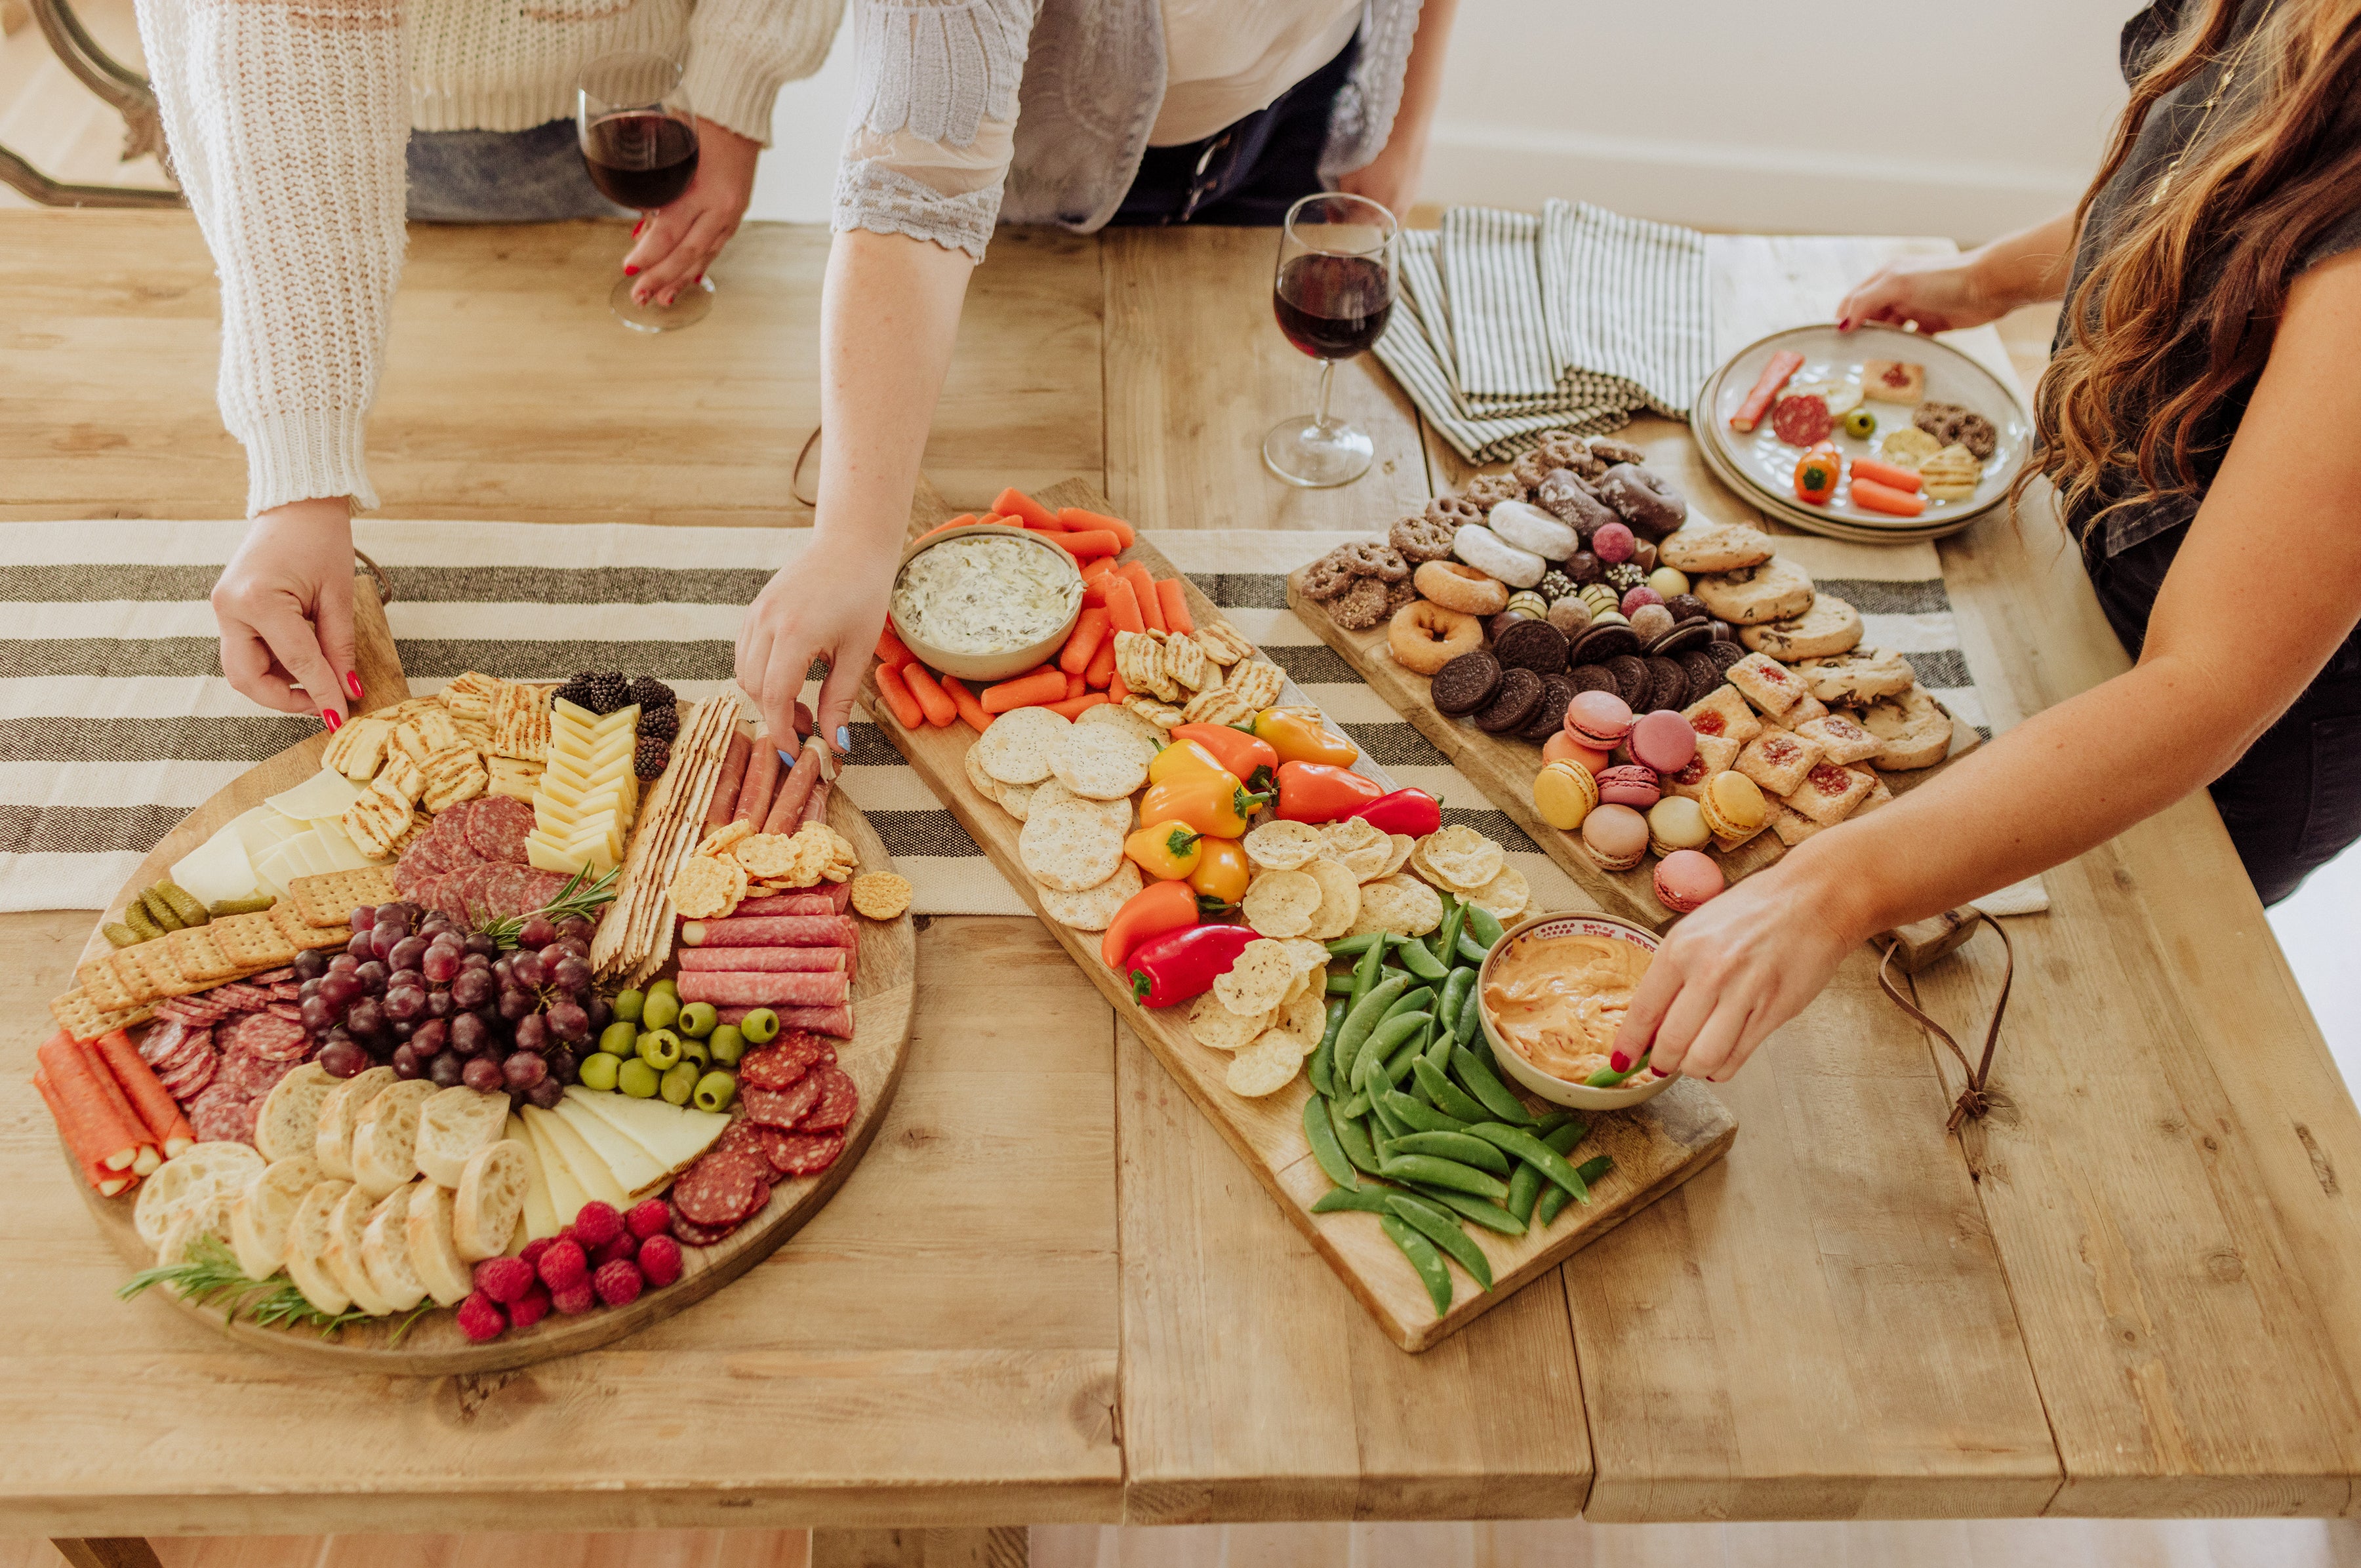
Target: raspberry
{"type": "Point", "coordinates": [618, 1283]}
{"type": "Point", "coordinates": [504, 1278]}
{"type": "Point", "coordinates": [660, 1260]}
{"type": "Point", "coordinates": [480, 1317]}
{"type": "Point", "coordinates": [574, 1299]}
{"type": "Point", "coordinates": [648, 1219]}
{"type": "Point", "coordinates": [561, 1267]}
{"type": "Point", "coordinates": [596, 1224]}
{"type": "Point", "coordinates": [529, 1309]}
{"type": "Point", "coordinates": [533, 1249]}
{"type": "Point", "coordinates": [622, 1249]}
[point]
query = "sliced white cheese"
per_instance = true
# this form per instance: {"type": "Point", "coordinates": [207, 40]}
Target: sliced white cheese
{"type": "Point", "coordinates": [261, 828]}
{"type": "Point", "coordinates": [545, 854]}
{"type": "Point", "coordinates": [581, 1161]}
{"type": "Point", "coordinates": [540, 1213]}
{"type": "Point", "coordinates": [337, 847]}
{"type": "Point", "coordinates": [280, 864]}
{"type": "Point", "coordinates": [625, 719]}
{"type": "Point", "coordinates": [674, 1134]}
{"type": "Point", "coordinates": [592, 776]}
{"type": "Point", "coordinates": [632, 1166]}
{"type": "Point", "coordinates": [218, 869]}
{"type": "Point", "coordinates": [325, 794]}
{"type": "Point", "coordinates": [566, 1194]}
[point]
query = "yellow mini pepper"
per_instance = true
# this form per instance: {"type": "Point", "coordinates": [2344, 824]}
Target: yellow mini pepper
{"type": "Point", "coordinates": [1165, 850]}
{"type": "Point", "coordinates": [1213, 803]}
{"type": "Point", "coordinates": [1299, 735]}
{"type": "Point", "coordinates": [1222, 872]}
{"type": "Point", "coordinates": [1183, 757]}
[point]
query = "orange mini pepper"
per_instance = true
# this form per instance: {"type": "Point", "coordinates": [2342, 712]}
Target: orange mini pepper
{"type": "Point", "coordinates": [1300, 735]}
{"type": "Point", "coordinates": [1816, 473]}
{"type": "Point", "coordinates": [1167, 850]}
{"type": "Point", "coordinates": [1221, 874]}
{"type": "Point", "coordinates": [1216, 805]}
{"type": "Point", "coordinates": [1180, 758]}
{"type": "Point", "coordinates": [1243, 754]}
{"type": "Point", "coordinates": [1158, 907]}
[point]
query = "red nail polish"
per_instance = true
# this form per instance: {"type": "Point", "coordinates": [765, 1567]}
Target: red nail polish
{"type": "Point", "coordinates": [700, 277]}
{"type": "Point", "coordinates": [332, 718]}
{"type": "Point", "coordinates": [629, 271]}
{"type": "Point", "coordinates": [1655, 1071]}
{"type": "Point", "coordinates": [638, 227]}
{"type": "Point", "coordinates": [1620, 1061]}
{"type": "Point", "coordinates": [353, 683]}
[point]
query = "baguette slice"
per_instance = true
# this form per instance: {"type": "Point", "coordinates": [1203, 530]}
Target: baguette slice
{"type": "Point", "coordinates": [260, 1218]}
{"type": "Point", "coordinates": [339, 1113]}
{"type": "Point", "coordinates": [186, 1180]}
{"type": "Point", "coordinates": [437, 1262]}
{"type": "Point", "coordinates": [289, 1122]}
{"type": "Point", "coordinates": [208, 1217]}
{"type": "Point", "coordinates": [452, 1125]}
{"type": "Point", "coordinates": [384, 1250]}
{"type": "Point", "coordinates": [385, 1140]}
{"type": "Point", "coordinates": [307, 1244]}
{"type": "Point", "coordinates": [342, 1252]}
{"type": "Point", "coordinates": [490, 1201]}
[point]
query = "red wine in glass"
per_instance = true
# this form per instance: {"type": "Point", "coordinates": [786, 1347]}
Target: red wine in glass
{"type": "Point", "coordinates": [1333, 307]}
{"type": "Point", "coordinates": [640, 158]}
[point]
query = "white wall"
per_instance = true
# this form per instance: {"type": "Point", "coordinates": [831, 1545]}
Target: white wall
{"type": "Point", "coordinates": [1867, 117]}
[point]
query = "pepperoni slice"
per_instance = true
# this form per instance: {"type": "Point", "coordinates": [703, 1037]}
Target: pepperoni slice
{"type": "Point", "coordinates": [1802, 419]}
{"type": "Point", "coordinates": [840, 1097]}
{"type": "Point", "coordinates": [783, 1109]}
{"type": "Point", "coordinates": [802, 1154]}
{"type": "Point", "coordinates": [785, 1060]}
{"type": "Point", "coordinates": [722, 1189]}
{"type": "Point", "coordinates": [688, 1233]}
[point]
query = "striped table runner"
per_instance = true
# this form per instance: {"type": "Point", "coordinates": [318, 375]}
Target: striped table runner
{"type": "Point", "coordinates": [114, 720]}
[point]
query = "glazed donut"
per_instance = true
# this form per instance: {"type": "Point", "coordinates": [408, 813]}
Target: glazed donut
{"type": "Point", "coordinates": [1424, 636]}
{"type": "Point", "coordinates": [1422, 538]}
{"type": "Point", "coordinates": [1488, 490]}
{"type": "Point", "coordinates": [1527, 527]}
{"type": "Point", "coordinates": [1452, 511]}
{"type": "Point", "coordinates": [1495, 556]}
{"type": "Point", "coordinates": [1463, 589]}
{"type": "Point", "coordinates": [1645, 498]}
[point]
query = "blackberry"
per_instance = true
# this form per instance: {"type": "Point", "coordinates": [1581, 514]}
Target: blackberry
{"type": "Point", "coordinates": [659, 721]}
{"type": "Point", "coordinates": [576, 690]}
{"type": "Point", "coordinates": [608, 690]}
{"type": "Point", "coordinates": [650, 692]}
{"type": "Point", "coordinates": [649, 757]}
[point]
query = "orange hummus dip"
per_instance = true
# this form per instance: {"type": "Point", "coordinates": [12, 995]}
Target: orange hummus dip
{"type": "Point", "coordinates": [1559, 1002]}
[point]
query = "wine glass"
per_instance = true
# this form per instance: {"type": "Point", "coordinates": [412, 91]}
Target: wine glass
{"type": "Point", "coordinates": [1334, 292]}
{"type": "Point", "coordinates": [639, 137]}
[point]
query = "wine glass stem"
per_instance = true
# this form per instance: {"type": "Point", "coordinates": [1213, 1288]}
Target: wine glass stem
{"type": "Point", "coordinates": [1327, 376]}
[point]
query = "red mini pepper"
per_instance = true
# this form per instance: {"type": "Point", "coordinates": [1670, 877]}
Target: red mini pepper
{"type": "Point", "coordinates": [1243, 754]}
{"type": "Point", "coordinates": [1179, 965]}
{"type": "Point", "coordinates": [1411, 811]}
{"type": "Point", "coordinates": [1323, 792]}
{"type": "Point", "coordinates": [1158, 907]}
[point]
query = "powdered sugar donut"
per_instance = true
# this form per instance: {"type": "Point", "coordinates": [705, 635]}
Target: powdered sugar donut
{"type": "Point", "coordinates": [1527, 527]}
{"type": "Point", "coordinates": [1495, 556]}
{"type": "Point", "coordinates": [1455, 585]}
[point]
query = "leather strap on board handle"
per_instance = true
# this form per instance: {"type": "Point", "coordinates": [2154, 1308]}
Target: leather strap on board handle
{"type": "Point", "coordinates": [1976, 1098]}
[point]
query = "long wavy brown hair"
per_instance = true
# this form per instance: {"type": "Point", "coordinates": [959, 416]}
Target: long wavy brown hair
{"type": "Point", "coordinates": [2208, 263]}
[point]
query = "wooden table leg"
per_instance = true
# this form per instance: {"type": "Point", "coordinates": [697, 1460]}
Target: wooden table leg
{"type": "Point", "coordinates": [133, 1551]}
{"type": "Point", "coordinates": [1002, 1547]}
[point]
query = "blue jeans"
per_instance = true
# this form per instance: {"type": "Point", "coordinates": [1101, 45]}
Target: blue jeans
{"type": "Point", "coordinates": [503, 177]}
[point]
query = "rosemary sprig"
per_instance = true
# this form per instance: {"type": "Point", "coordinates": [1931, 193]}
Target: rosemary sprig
{"type": "Point", "coordinates": [212, 1274]}
{"type": "Point", "coordinates": [583, 896]}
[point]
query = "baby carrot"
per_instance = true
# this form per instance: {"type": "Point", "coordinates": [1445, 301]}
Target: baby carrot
{"type": "Point", "coordinates": [1892, 474]}
{"type": "Point", "coordinates": [897, 692]}
{"type": "Point", "coordinates": [942, 712]}
{"type": "Point", "coordinates": [1075, 685]}
{"type": "Point", "coordinates": [1072, 706]}
{"type": "Point", "coordinates": [1125, 611]}
{"type": "Point", "coordinates": [1094, 568]}
{"type": "Point", "coordinates": [1168, 594]}
{"type": "Point", "coordinates": [1078, 520]}
{"type": "Point", "coordinates": [1098, 541]}
{"type": "Point", "coordinates": [1116, 691]}
{"type": "Point", "coordinates": [1151, 609]}
{"type": "Point", "coordinates": [1014, 502]}
{"type": "Point", "coordinates": [1083, 642]}
{"type": "Point", "coordinates": [891, 649]}
{"type": "Point", "coordinates": [1885, 497]}
{"type": "Point", "coordinates": [1102, 666]}
{"type": "Point", "coordinates": [969, 708]}
{"type": "Point", "coordinates": [1032, 690]}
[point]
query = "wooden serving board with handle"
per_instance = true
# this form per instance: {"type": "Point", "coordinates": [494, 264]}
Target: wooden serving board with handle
{"type": "Point", "coordinates": [884, 996]}
{"type": "Point", "coordinates": [1657, 1147]}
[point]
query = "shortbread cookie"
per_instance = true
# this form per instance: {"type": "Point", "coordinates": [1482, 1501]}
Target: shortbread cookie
{"type": "Point", "coordinates": [1778, 589]}
{"type": "Point", "coordinates": [1700, 545]}
{"type": "Point", "coordinates": [1863, 675]}
{"type": "Point", "coordinates": [1829, 792]}
{"type": "Point", "coordinates": [1769, 684]}
{"type": "Point", "coordinates": [1912, 729]}
{"type": "Point", "coordinates": [1830, 626]}
{"type": "Point", "coordinates": [1777, 762]}
{"type": "Point", "coordinates": [1722, 712]}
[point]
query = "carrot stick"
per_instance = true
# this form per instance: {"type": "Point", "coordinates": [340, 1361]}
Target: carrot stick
{"type": "Point", "coordinates": [1078, 520]}
{"type": "Point", "coordinates": [891, 649]}
{"type": "Point", "coordinates": [1072, 706]}
{"type": "Point", "coordinates": [1886, 499]}
{"type": "Point", "coordinates": [1083, 642]}
{"type": "Point", "coordinates": [941, 710]}
{"type": "Point", "coordinates": [897, 692]}
{"type": "Point", "coordinates": [94, 1170]}
{"type": "Point", "coordinates": [969, 708]}
{"type": "Point", "coordinates": [1892, 474]}
{"type": "Point", "coordinates": [1014, 502]}
{"type": "Point", "coordinates": [1094, 568]}
{"type": "Point", "coordinates": [1174, 599]}
{"type": "Point", "coordinates": [1075, 686]}
{"type": "Point", "coordinates": [1123, 607]}
{"type": "Point", "coordinates": [1116, 691]}
{"type": "Point", "coordinates": [148, 1095]}
{"type": "Point", "coordinates": [1143, 585]}
{"type": "Point", "coordinates": [1100, 671]}
{"type": "Point", "coordinates": [91, 1121]}
{"type": "Point", "coordinates": [1032, 690]}
{"type": "Point", "coordinates": [1099, 541]}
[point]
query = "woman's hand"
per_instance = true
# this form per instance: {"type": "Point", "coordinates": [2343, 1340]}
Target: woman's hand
{"type": "Point", "coordinates": [1941, 293]}
{"type": "Point", "coordinates": [829, 605]}
{"type": "Point", "coordinates": [1391, 178]}
{"type": "Point", "coordinates": [285, 607]}
{"type": "Point", "coordinates": [677, 242]}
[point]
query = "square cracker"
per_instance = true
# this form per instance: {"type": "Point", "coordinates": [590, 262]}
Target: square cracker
{"type": "Point", "coordinates": [86, 1020]}
{"type": "Point", "coordinates": [252, 941]}
{"type": "Point", "coordinates": [103, 983]}
{"type": "Point", "coordinates": [197, 956]}
{"type": "Point", "coordinates": [329, 898]}
{"type": "Point", "coordinates": [157, 974]}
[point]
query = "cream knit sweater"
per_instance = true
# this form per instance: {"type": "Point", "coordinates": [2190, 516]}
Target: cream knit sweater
{"type": "Point", "coordinates": [288, 121]}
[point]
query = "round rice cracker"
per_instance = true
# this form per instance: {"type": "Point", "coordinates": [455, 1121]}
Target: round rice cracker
{"type": "Point", "coordinates": [1458, 857]}
{"type": "Point", "coordinates": [1050, 793]}
{"type": "Point", "coordinates": [1259, 978]}
{"type": "Point", "coordinates": [1264, 1067]}
{"type": "Point", "coordinates": [1016, 748]}
{"type": "Point", "coordinates": [971, 760]}
{"type": "Point", "coordinates": [1306, 1018]}
{"type": "Point", "coordinates": [1398, 855]}
{"type": "Point", "coordinates": [1114, 716]}
{"type": "Point", "coordinates": [1504, 897]}
{"type": "Point", "coordinates": [1282, 846]}
{"type": "Point", "coordinates": [1213, 1025]}
{"type": "Point", "coordinates": [881, 896]}
{"type": "Point", "coordinates": [706, 888]}
{"type": "Point", "coordinates": [1401, 905]}
{"type": "Point", "coordinates": [1282, 903]}
{"type": "Point", "coordinates": [1340, 900]}
{"type": "Point", "coordinates": [1094, 908]}
{"type": "Point", "coordinates": [1071, 845]}
{"type": "Point", "coordinates": [1359, 845]}
{"type": "Point", "coordinates": [1100, 763]}
{"type": "Point", "coordinates": [1017, 799]}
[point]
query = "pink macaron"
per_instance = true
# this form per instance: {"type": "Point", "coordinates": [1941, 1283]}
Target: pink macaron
{"type": "Point", "coordinates": [1663, 741]}
{"type": "Point", "coordinates": [1686, 878]}
{"type": "Point", "coordinates": [1598, 719]}
{"type": "Point", "coordinates": [1631, 785]}
{"type": "Point", "coordinates": [1615, 837]}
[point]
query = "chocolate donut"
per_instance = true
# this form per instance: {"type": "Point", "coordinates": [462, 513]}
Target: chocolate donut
{"type": "Point", "coordinates": [1564, 497]}
{"type": "Point", "coordinates": [1643, 499]}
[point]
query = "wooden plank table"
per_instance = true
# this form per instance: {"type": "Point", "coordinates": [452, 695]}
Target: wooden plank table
{"type": "Point", "coordinates": [1053, 1293]}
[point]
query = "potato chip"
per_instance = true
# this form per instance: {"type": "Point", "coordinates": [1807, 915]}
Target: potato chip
{"type": "Point", "coordinates": [881, 896]}
{"type": "Point", "coordinates": [1457, 856]}
{"type": "Point", "coordinates": [1340, 900]}
{"type": "Point", "coordinates": [1099, 763]}
{"type": "Point", "coordinates": [767, 854]}
{"type": "Point", "coordinates": [1264, 1067]}
{"type": "Point", "coordinates": [1094, 908]}
{"type": "Point", "coordinates": [1069, 846]}
{"type": "Point", "coordinates": [1282, 846]}
{"type": "Point", "coordinates": [1282, 903]}
{"type": "Point", "coordinates": [707, 888]}
{"type": "Point", "coordinates": [1213, 1025]}
{"type": "Point", "coordinates": [1259, 978]}
{"type": "Point", "coordinates": [1504, 897]}
{"type": "Point", "coordinates": [1401, 905]}
{"type": "Point", "coordinates": [1360, 846]}
{"type": "Point", "coordinates": [1295, 988]}
{"type": "Point", "coordinates": [1015, 750]}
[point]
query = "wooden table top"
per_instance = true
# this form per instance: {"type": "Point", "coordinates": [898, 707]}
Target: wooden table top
{"type": "Point", "coordinates": [1049, 1292]}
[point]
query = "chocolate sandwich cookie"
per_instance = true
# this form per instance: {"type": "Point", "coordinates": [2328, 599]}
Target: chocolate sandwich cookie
{"type": "Point", "coordinates": [1724, 654]}
{"type": "Point", "coordinates": [1469, 682]}
{"type": "Point", "coordinates": [1632, 680]}
{"type": "Point", "coordinates": [1608, 636]}
{"type": "Point", "coordinates": [1512, 706]}
{"type": "Point", "coordinates": [1548, 714]}
{"type": "Point", "coordinates": [1694, 632]}
{"type": "Point", "coordinates": [1703, 673]}
{"type": "Point", "coordinates": [1599, 678]}
{"type": "Point", "coordinates": [1669, 684]}
{"type": "Point", "coordinates": [1534, 646]}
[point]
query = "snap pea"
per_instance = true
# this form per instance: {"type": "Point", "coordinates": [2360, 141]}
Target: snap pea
{"type": "Point", "coordinates": [1447, 1096]}
{"type": "Point", "coordinates": [1444, 1232]}
{"type": "Point", "coordinates": [1484, 926]}
{"type": "Point", "coordinates": [1420, 1116]}
{"type": "Point", "coordinates": [1608, 1078]}
{"type": "Point", "coordinates": [1358, 1106]}
{"type": "Point", "coordinates": [1462, 1147]}
{"type": "Point", "coordinates": [1321, 1134]}
{"type": "Point", "coordinates": [1596, 1165]}
{"type": "Point", "coordinates": [1454, 995]}
{"type": "Point", "coordinates": [1365, 1201]}
{"type": "Point", "coordinates": [1468, 1030]}
{"type": "Point", "coordinates": [1367, 1010]}
{"type": "Point", "coordinates": [1470, 950]}
{"type": "Point", "coordinates": [1479, 1083]}
{"type": "Point", "coordinates": [1527, 1148]}
{"type": "Point", "coordinates": [1446, 940]}
{"type": "Point", "coordinates": [1323, 1057]}
{"type": "Point", "coordinates": [1342, 984]}
{"type": "Point", "coordinates": [1383, 1041]}
{"type": "Point", "coordinates": [1387, 1129]}
{"type": "Point", "coordinates": [1556, 1198]}
{"type": "Point", "coordinates": [1438, 1050]}
{"type": "Point", "coordinates": [1422, 1257]}
{"type": "Point", "coordinates": [1448, 1173]}
{"type": "Point", "coordinates": [1492, 1216]}
{"type": "Point", "coordinates": [1552, 1123]}
{"type": "Point", "coordinates": [1353, 947]}
{"type": "Point", "coordinates": [1414, 1001]}
{"type": "Point", "coordinates": [1353, 1138]}
{"type": "Point", "coordinates": [1523, 1189]}
{"type": "Point", "coordinates": [1366, 972]}
{"type": "Point", "coordinates": [1562, 1133]}
{"type": "Point", "coordinates": [1420, 961]}
{"type": "Point", "coordinates": [1397, 1066]}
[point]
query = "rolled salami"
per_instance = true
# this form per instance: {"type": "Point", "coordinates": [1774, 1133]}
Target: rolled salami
{"type": "Point", "coordinates": [733, 774]}
{"type": "Point", "coordinates": [815, 961]}
{"type": "Point", "coordinates": [772, 931]}
{"type": "Point", "coordinates": [787, 806]}
{"type": "Point", "coordinates": [827, 898]}
{"type": "Point", "coordinates": [832, 1021]}
{"type": "Point", "coordinates": [764, 988]}
{"type": "Point", "coordinates": [762, 779]}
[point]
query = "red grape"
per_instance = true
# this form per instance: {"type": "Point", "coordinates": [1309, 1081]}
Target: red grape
{"type": "Point", "coordinates": [339, 991]}
{"type": "Point", "coordinates": [567, 1022]}
{"type": "Point", "coordinates": [440, 965]}
{"type": "Point", "coordinates": [515, 1003]}
{"type": "Point", "coordinates": [526, 969]}
{"type": "Point", "coordinates": [523, 1070]}
{"type": "Point", "coordinates": [444, 1071]}
{"type": "Point", "coordinates": [343, 963]}
{"type": "Point", "coordinates": [366, 1018]}
{"type": "Point", "coordinates": [481, 1074]}
{"type": "Point", "coordinates": [403, 1003]}
{"type": "Point", "coordinates": [310, 964]}
{"type": "Point", "coordinates": [532, 1034]}
{"type": "Point", "coordinates": [473, 988]}
{"type": "Point", "coordinates": [318, 1014]}
{"type": "Point", "coordinates": [363, 918]}
{"type": "Point", "coordinates": [360, 945]}
{"type": "Point", "coordinates": [537, 932]}
{"type": "Point", "coordinates": [343, 1060]}
{"type": "Point", "coordinates": [372, 975]}
{"type": "Point", "coordinates": [430, 1037]}
{"type": "Point", "coordinates": [571, 975]}
{"type": "Point", "coordinates": [469, 1034]}
{"type": "Point", "coordinates": [576, 925]}
{"type": "Point", "coordinates": [546, 1093]}
{"type": "Point", "coordinates": [406, 1061]}
{"type": "Point", "coordinates": [406, 953]}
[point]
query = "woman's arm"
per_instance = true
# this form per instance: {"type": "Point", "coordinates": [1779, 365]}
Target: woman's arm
{"type": "Point", "coordinates": [1943, 292]}
{"type": "Point", "coordinates": [2228, 649]}
{"type": "Point", "coordinates": [1391, 178]}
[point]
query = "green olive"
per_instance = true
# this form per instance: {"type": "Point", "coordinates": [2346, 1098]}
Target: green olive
{"type": "Point", "coordinates": [696, 1050]}
{"type": "Point", "coordinates": [697, 1019]}
{"type": "Point", "coordinates": [660, 1009]}
{"type": "Point", "coordinates": [1860, 425]}
{"type": "Point", "coordinates": [637, 1079]}
{"type": "Point", "coordinates": [599, 1071]}
{"type": "Point", "coordinates": [727, 1043]}
{"type": "Point", "coordinates": [660, 1048]}
{"type": "Point", "coordinates": [761, 1026]}
{"type": "Point", "coordinates": [619, 1039]}
{"type": "Point", "coordinates": [666, 986]}
{"type": "Point", "coordinates": [678, 1084]}
{"type": "Point", "coordinates": [627, 1005]}
{"type": "Point", "coordinates": [715, 1091]}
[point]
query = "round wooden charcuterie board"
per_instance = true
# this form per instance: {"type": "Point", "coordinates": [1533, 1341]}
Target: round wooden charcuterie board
{"type": "Point", "coordinates": [884, 998]}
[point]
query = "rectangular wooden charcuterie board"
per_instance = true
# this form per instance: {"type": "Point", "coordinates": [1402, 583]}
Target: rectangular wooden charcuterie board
{"type": "Point", "coordinates": [1656, 1146]}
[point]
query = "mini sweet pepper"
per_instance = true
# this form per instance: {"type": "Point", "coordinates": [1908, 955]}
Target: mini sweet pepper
{"type": "Point", "coordinates": [1153, 910]}
{"type": "Point", "coordinates": [1184, 756]}
{"type": "Point", "coordinates": [1411, 811]}
{"type": "Point", "coordinates": [1300, 735]}
{"type": "Point", "coordinates": [1244, 754]}
{"type": "Point", "coordinates": [1179, 965]}
{"type": "Point", "coordinates": [1816, 473]}
{"type": "Point", "coordinates": [1214, 803]}
{"type": "Point", "coordinates": [1323, 792]}
{"type": "Point", "coordinates": [1168, 850]}
{"type": "Point", "coordinates": [1221, 874]}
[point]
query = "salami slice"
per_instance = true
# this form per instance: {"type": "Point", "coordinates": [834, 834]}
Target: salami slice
{"type": "Point", "coordinates": [239, 997]}
{"type": "Point", "coordinates": [542, 887]}
{"type": "Point", "coordinates": [688, 1233]}
{"type": "Point", "coordinates": [270, 1038]}
{"type": "Point", "coordinates": [740, 1133]}
{"type": "Point", "coordinates": [512, 890]}
{"type": "Point", "coordinates": [496, 828]}
{"type": "Point", "coordinates": [765, 988]}
{"type": "Point", "coordinates": [221, 1114]}
{"type": "Point", "coordinates": [191, 1079]}
{"type": "Point", "coordinates": [840, 1097]}
{"type": "Point", "coordinates": [802, 1154]}
{"type": "Point", "coordinates": [280, 976]}
{"type": "Point", "coordinates": [287, 991]}
{"type": "Point", "coordinates": [162, 1041]}
{"type": "Point", "coordinates": [451, 892]}
{"type": "Point", "coordinates": [748, 960]}
{"type": "Point", "coordinates": [785, 1059]}
{"type": "Point", "coordinates": [783, 1109]}
{"type": "Point", "coordinates": [1803, 420]}
{"type": "Point", "coordinates": [829, 898]}
{"type": "Point", "coordinates": [722, 1189]}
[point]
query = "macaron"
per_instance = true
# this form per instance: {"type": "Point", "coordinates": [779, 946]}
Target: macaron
{"type": "Point", "coordinates": [1600, 720]}
{"type": "Point", "coordinates": [1663, 741]}
{"type": "Point", "coordinates": [1564, 794]}
{"type": "Point", "coordinates": [1686, 878]}
{"type": "Point", "coordinates": [1564, 748]}
{"type": "Point", "coordinates": [1632, 785]}
{"type": "Point", "coordinates": [1613, 543]}
{"type": "Point", "coordinates": [1733, 805]}
{"type": "Point", "coordinates": [1676, 823]}
{"type": "Point", "coordinates": [1615, 837]}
